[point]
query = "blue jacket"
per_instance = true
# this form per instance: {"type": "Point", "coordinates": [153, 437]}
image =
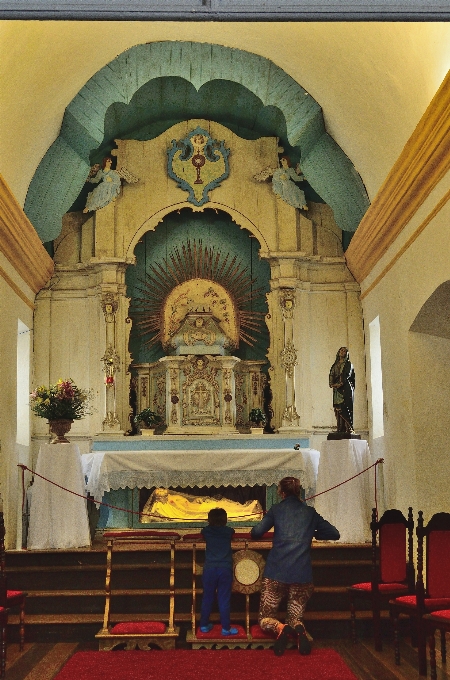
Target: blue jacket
{"type": "Point", "coordinates": [218, 551]}
{"type": "Point", "coordinates": [295, 525]}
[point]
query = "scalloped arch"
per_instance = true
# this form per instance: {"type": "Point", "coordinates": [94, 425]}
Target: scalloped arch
{"type": "Point", "coordinates": [63, 170]}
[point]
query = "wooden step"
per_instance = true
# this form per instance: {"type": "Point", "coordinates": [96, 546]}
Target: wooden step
{"type": "Point", "coordinates": [61, 619]}
{"type": "Point", "coordinates": [118, 566]}
{"type": "Point", "coordinates": [149, 591]}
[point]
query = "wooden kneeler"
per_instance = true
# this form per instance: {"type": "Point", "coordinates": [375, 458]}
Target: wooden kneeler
{"type": "Point", "coordinates": [248, 567]}
{"type": "Point", "coordinates": [139, 634]}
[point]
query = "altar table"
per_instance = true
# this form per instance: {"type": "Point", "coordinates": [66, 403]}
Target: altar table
{"type": "Point", "coordinates": [106, 470]}
{"type": "Point", "coordinates": [58, 519]}
{"type": "Point", "coordinates": [348, 507]}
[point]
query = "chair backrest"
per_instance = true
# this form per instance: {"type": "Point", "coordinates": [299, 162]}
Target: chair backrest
{"type": "Point", "coordinates": [395, 547]}
{"type": "Point", "coordinates": [437, 546]}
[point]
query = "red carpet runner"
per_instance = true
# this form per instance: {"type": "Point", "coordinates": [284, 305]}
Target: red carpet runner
{"type": "Point", "coordinates": [204, 664]}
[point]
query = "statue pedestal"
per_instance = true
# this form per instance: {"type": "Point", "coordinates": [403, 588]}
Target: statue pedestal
{"type": "Point", "coordinates": [342, 435]}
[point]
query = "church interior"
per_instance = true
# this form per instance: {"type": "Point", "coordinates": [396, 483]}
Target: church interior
{"type": "Point", "coordinates": [195, 217]}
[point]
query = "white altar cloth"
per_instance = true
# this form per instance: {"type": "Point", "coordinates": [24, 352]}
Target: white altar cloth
{"type": "Point", "coordinates": [106, 470]}
{"type": "Point", "coordinates": [349, 507]}
{"type": "Point", "coordinates": [58, 519]}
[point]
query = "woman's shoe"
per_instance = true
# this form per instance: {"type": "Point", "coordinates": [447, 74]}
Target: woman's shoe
{"type": "Point", "coordinates": [304, 645]}
{"type": "Point", "coordinates": [283, 638]}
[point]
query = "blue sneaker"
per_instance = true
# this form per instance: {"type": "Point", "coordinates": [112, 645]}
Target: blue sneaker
{"type": "Point", "coordinates": [206, 629]}
{"type": "Point", "coordinates": [232, 631]}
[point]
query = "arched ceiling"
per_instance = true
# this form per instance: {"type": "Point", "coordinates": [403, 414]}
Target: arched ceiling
{"type": "Point", "coordinates": [149, 87]}
{"type": "Point", "coordinates": [373, 81]}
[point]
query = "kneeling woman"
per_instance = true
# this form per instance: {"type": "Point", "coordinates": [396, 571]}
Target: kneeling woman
{"type": "Point", "coordinates": [288, 571]}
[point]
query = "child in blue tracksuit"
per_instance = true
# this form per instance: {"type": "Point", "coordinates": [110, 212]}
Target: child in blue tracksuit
{"type": "Point", "coordinates": [217, 571]}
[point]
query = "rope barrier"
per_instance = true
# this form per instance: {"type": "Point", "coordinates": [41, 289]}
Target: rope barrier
{"type": "Point", "coordinates": [150, 514]}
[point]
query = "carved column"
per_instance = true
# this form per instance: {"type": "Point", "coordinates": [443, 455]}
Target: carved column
{"type": "Point", "coordinates": [288, 356]}
{"type": "Point", "coordinates": [111, 362]}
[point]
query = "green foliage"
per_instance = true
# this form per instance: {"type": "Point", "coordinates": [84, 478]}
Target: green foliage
{"type": "Point", "coordinates": [148, 417]}
{"type": "Point", "coordinates": [257, 416]}
{"type": "Point", "coordinates": [63, 401]}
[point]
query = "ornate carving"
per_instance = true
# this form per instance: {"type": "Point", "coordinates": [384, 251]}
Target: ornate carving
{"type": "Point", "coordinates": [290, 414]}
{"type": "Point", "coordinates": [198, 164]}
{"type": "Point", "coordinates": [200, 391]}
{"type": "Point", "coordinates": [144, 385]}
{"type": "Point", "coordinates": [255, 383]}
{"type": "Point", "coordinates": [111, 365]}
{"type": "Point", "coordinates": [287, 302]}
{"type": "Point", "coordinates": [111, 421]}
{"type": "Point", "coordinates": [289, 358]}
{"type": "Point", "coordinates": [110, 305]}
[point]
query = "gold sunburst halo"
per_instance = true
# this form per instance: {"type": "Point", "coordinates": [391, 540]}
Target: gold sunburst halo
{"type": "Point", "coordinates": [227, 277]}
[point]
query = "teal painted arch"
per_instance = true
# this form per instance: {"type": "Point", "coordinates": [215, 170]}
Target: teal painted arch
{"type": "Point", "coordinates": [63, 170]}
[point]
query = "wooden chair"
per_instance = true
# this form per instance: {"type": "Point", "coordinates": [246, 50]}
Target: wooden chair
{"type": "Point", "coordinates": [11, 598]}
{"type": "Point", "coordinates": [432, 595]}
{"type": "Point", "coordinates": [139, 634]}
{"type": "Point", "coordinates": [392, 567]}
{"type": "Point", "coordinates": [436, 620]}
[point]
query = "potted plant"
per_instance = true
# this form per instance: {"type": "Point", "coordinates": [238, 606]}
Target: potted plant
{"type": "Point", "coordinates": [61, 404]}
{"type": "Point", "coordinates": [150, 419]}
{"type": "Point", "coordinates": [258, 419]}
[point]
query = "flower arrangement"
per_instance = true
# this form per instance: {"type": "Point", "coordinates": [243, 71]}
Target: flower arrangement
{"type": "Point", "coordinates": [148, 417]}
{"type": "Point", "coordinates": [63, 401]}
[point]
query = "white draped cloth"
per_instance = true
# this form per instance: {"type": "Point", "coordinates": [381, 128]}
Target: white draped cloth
{"type": "Point", "coordinates": [106, 470]}
{"type": "Point", "coordinates": [58, 519]}
{"type": "Point", "coordinates": [348, 507]}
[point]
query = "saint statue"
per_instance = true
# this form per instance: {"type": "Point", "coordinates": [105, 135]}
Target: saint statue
{"type": "Point", "coordinates": [342, 381]}
{"type": "Point", "coordinates": [166, 505]}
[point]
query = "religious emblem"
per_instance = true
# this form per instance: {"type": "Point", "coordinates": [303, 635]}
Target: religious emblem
{"type": "Point", "coordinates": [198, 164]}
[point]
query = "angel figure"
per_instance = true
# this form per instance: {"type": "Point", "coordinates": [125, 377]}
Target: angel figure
{"type": "Point", "coordinates": [109, 183]}
{"type": "Point", "coordinates": [283, 183]}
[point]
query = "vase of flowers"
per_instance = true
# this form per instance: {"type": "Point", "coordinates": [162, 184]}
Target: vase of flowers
{"type": "Point", "coordinates": [150, 419]}
{"type": "Point", "coordinates": [257, 419]}
{"type": "Point", "coordinates": [61, 404]}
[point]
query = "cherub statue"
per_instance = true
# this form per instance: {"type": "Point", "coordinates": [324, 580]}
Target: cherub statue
{"type": "Point", "coordinates": [283, 183]}
{"type": "Point", "coordinates": [109, 183]}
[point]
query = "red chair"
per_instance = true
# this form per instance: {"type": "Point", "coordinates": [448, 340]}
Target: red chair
{"type": "Point", "coordinates": [392, 571]}
{"type": "Point", "coordinates": [11, 598]}
{"type": "Point", "coordinates": [435, 593]}
{"type": "Point", "coordinates": [437, 620]}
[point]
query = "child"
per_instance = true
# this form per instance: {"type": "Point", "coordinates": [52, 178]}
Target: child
{"type": "Point", "coordinates": [217, 571]}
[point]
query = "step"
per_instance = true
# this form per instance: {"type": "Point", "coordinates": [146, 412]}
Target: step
{"type": "Point", "coordinates": [65, 619]}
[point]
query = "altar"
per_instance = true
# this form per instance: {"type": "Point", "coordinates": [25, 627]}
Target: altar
{"type": "Point", "coordinates": [242, 460]}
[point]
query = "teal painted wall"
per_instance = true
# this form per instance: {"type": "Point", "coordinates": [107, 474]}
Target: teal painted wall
{"type": "Point", "coordinates": [213, 229]}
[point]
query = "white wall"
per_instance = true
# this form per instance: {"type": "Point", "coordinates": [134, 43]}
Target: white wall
{"type": "Point", "coordinates": [415, 365]}
{"type": "Point", "coordinates": [14, 431]}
